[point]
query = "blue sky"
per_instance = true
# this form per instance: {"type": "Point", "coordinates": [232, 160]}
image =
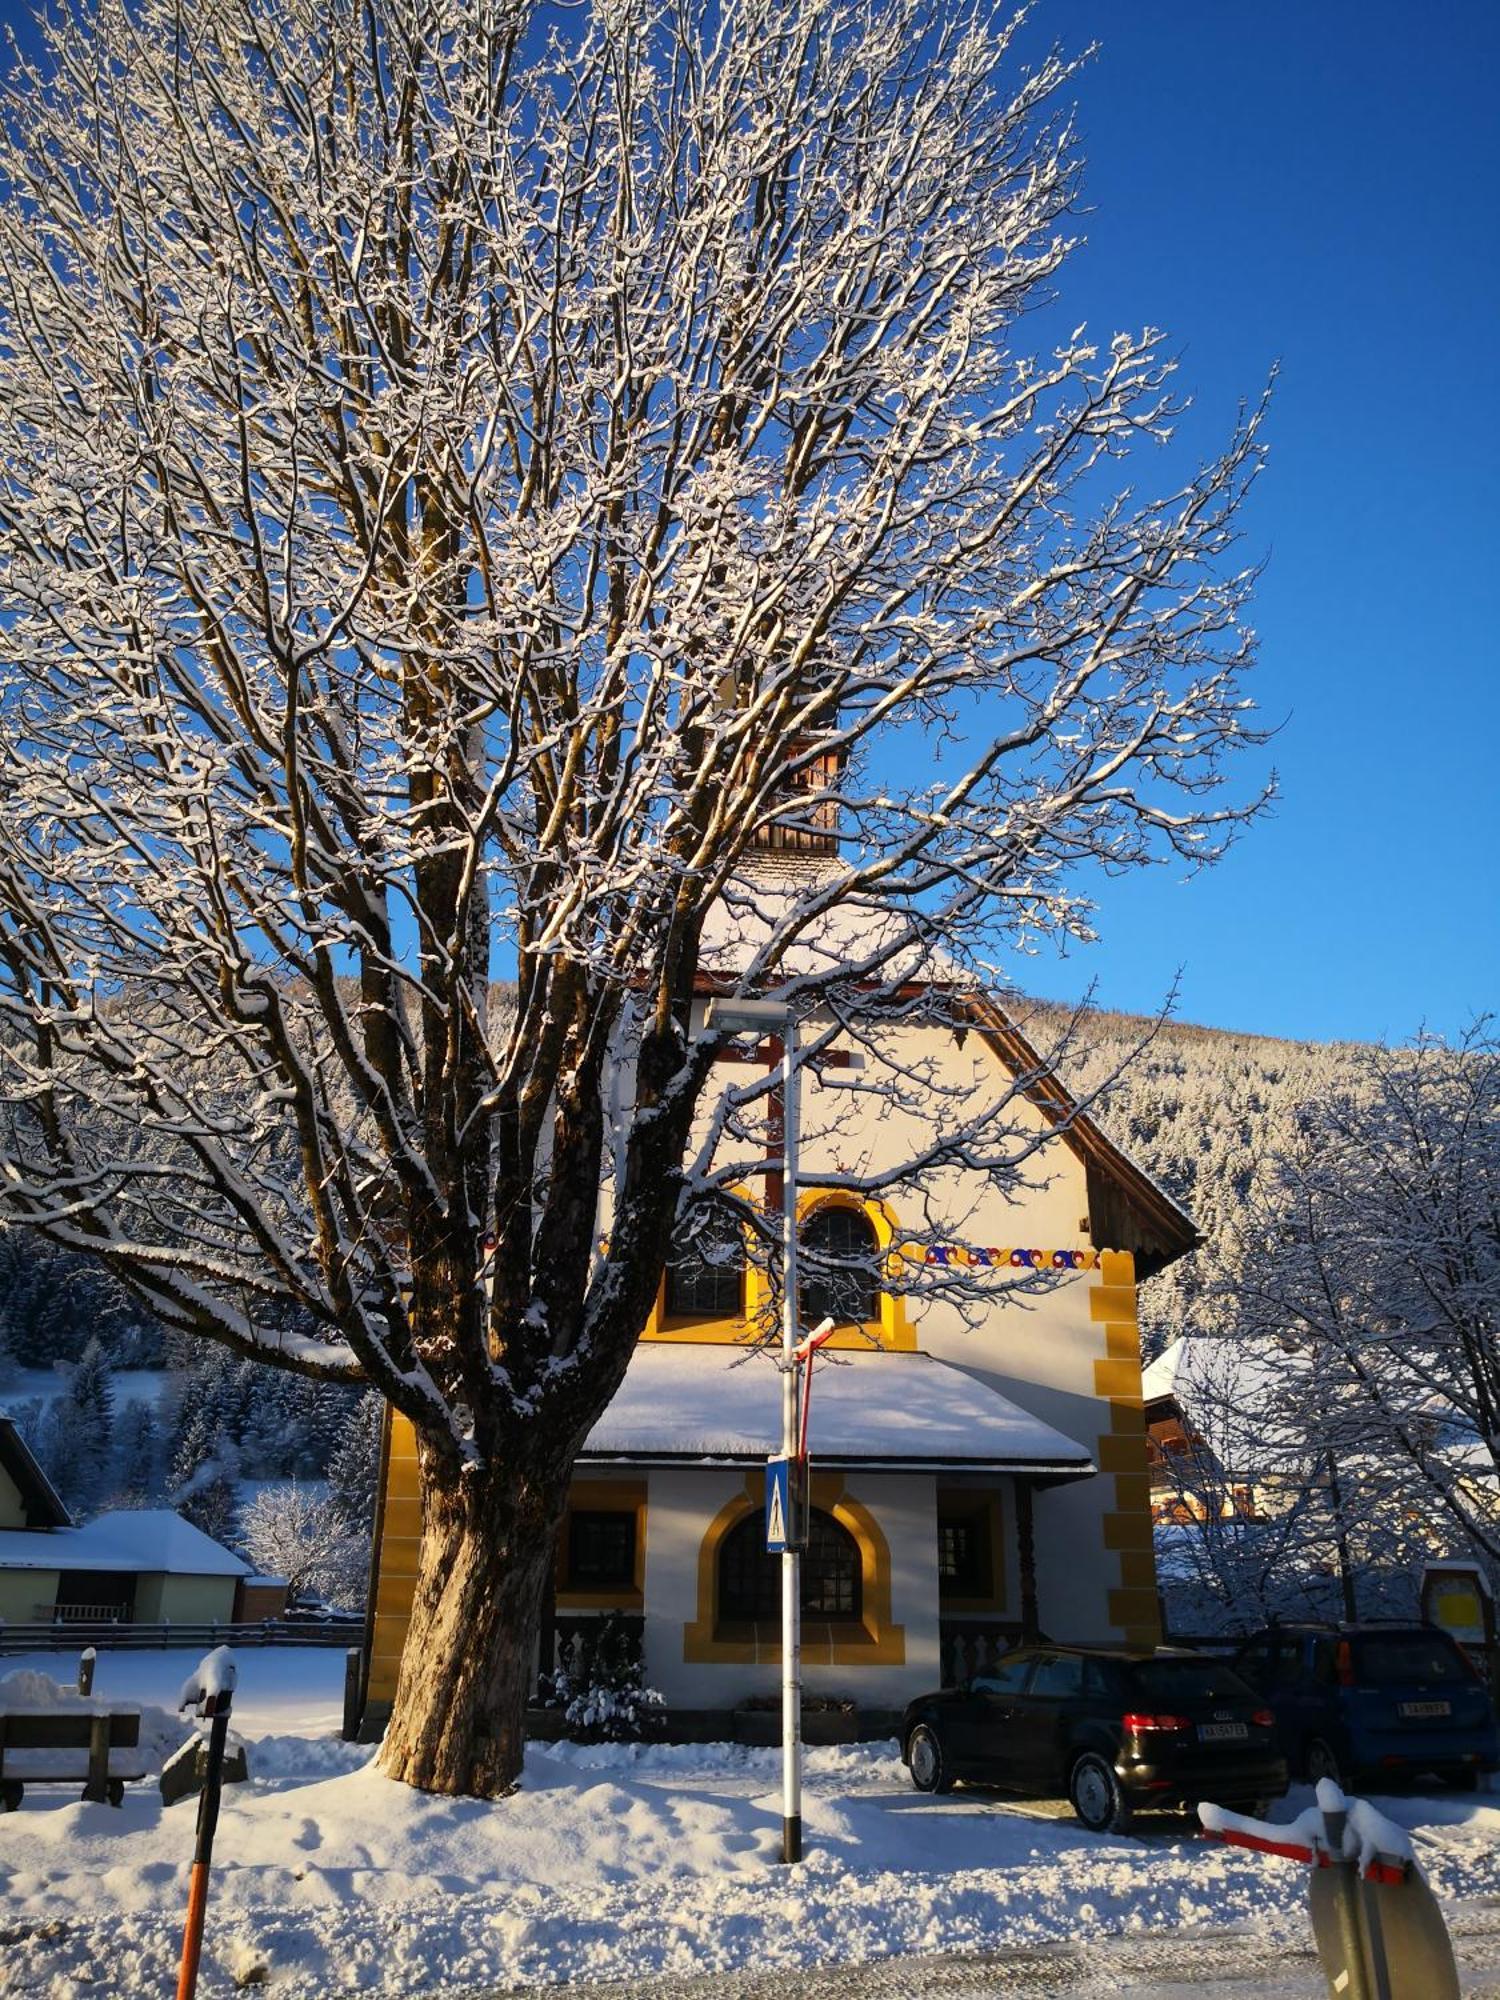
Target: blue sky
{"type": "Point", "coordinates": [1316, 182]}
{"type": "Point", "coordinates": [1319, 184]}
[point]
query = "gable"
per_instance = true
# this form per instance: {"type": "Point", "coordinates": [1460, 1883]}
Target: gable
{"type": "Point", "coordinates": [27, 1496]}
{"type": "Point", "coordinates": [1126, 1208]}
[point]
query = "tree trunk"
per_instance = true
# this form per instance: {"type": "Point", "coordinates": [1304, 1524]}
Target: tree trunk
{"type": "Point", "coordinates": [457, 1724]}
{"type": "Point", "coordinates": [1341, 1544]}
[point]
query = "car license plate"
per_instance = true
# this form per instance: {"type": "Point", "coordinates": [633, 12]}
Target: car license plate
{"type": "Point", "coordinates": [1222, 1732]}
{"type": "Point", "coordinates": [1424, 1708]}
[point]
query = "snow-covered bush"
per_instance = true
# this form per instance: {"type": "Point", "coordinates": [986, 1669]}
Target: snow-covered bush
{"type": "Point", "coordinates": [599, 1684]}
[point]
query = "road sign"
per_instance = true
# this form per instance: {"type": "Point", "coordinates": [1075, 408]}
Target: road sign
{"type": "Point", "coordinates": [778, 1506]}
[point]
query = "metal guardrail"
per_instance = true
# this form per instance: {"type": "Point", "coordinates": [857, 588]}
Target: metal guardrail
{"type": "Point", "coordinates": [117, 1635]}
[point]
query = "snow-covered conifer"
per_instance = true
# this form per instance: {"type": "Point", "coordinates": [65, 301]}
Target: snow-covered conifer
{"type": "Point", "coordinates": [353, 1466]}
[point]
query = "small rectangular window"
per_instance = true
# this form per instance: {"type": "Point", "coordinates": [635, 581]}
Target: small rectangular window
{"type": "Point", "coordinates": [601, 1550]}
{"type": "Point", "coordinates": [965, 1563]}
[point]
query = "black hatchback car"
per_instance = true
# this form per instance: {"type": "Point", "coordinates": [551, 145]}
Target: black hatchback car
{"type": "Point", "coordinates": [1116, 1732]}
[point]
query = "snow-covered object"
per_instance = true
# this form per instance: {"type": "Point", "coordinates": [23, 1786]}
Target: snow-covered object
{"type": "Point", "coordinates": [144, 1539]}
{"type": "Point", "coordinates": [1369, 1838]}
{"type": "Point", "coordinates": [215, 1674]}
{"type": "Point", "coordinates": [617, 1862]}
{"type": "Point", "coordinates": [28, 1689]}
{"type": "Point", "coordinates": [722, 1404]}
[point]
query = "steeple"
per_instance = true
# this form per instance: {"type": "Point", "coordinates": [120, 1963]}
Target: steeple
{"type": "Point", "coordinates": [808, 822]}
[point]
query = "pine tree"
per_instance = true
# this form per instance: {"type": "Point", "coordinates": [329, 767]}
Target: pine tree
{"type": "Point", "coordinates": [206, 1458]}
{"type": "Point", "coordinates": [137, 1454]}
{"type": "Point", "coordinates": [79, 1432]}
{"type": "Point", "coordinates": [354, 1466]}
{"type": "Point", "coordinates": [212, 1503]}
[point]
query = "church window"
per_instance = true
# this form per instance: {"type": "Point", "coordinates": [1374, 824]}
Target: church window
{"type": "Point", "coordinates": [841, 1275]}
{"type": "Point", "coordinates": [750, 1577]}
{"type": "Point", "coordinates": [706, 1273]}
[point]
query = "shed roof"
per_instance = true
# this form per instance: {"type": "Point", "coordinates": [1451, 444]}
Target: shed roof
{"type": "Point", "coordinates": [146, 1540]}
{"type": "Point", "coordinates": [683, 1403]}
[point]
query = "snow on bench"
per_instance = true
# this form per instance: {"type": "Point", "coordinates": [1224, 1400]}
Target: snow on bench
{"type": "Point", "coordinates": [50, 1737]}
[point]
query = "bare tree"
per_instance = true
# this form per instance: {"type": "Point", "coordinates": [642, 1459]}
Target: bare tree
{"type": "Point", "coordinates": [305, 1538]}
{"type": "Point", "coordinates": [475, 473]}
{"type": "Point", "coordinates": [1376, 1254]}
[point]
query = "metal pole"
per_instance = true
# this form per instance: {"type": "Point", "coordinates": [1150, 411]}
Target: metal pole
{"type": "Point", "coordinates": [1355, 1983]}
{"type": "Point", "coordinates": [791, 1562]}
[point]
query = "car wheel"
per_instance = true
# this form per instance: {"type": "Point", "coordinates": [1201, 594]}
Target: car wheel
{"type": "Point", "coordinates": [1097, 1795]}
{"type": "Point", "coordinates": [1320, 1760]}
{"type": "Point", "coordinates": [1465, 1779]}
{"type": "Point", "coordinates": [927, 1760]}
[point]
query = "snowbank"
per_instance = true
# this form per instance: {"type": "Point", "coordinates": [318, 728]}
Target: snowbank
{"type": "Point", "coordinates": [613, 1860]}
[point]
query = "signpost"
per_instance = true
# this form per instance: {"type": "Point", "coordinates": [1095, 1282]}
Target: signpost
{"type": "Point", "coordinates": [1456, 1598]}
{"type": "Point", "coordinates": [738, 1016]}
{"type": "Point", "coordinates": [780, 1533]}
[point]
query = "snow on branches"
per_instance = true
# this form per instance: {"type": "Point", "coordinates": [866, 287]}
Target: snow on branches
{"type": "Point", "coordinates": [472, 475]}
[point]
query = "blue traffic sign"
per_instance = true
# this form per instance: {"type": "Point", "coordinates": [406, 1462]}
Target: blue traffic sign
{"type": "Point", "coordinates": [778, 1506]}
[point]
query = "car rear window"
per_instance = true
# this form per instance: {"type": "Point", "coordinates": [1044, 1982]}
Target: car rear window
{"type": "Point", "coordinates": [1387, 1657]}
{"type": "Point", "coordinates": [1187, 1680]}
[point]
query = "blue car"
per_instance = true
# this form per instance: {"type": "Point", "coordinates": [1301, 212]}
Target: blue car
{"type": "Point", "coordinates": [1373, 1704]}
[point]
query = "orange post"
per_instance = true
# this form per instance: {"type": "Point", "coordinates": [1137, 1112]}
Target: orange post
{"type": "Point", "coordinates": [192, 1936]}
{"type": "Point", "coordinates": [216, 1706]}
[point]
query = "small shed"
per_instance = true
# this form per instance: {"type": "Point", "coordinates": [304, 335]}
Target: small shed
{"type": "Point", "coordinates": [136, 1566]}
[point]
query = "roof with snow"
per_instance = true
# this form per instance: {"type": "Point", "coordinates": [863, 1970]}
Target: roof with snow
{"type": "Point", "coordinates": [688, 1404]}
{"type": "Point", "coordinates": [146, 1539]}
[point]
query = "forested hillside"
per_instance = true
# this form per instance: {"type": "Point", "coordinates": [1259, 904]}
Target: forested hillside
{"type": "Point", "coordinates": [1205, 1111]}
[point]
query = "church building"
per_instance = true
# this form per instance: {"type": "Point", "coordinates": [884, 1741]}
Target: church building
{"type": "Point", "coordinates": [978, 1477]}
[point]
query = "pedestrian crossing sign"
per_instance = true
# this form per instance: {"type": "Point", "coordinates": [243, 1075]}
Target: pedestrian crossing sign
{"type": "Point", "coordinates": [778, 1506]}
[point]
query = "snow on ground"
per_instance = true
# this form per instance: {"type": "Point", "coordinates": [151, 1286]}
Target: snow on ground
{"type": "Point", "coordinates": [127, 1385]}
{"type": "Point", "coordinates": [610, 1861]}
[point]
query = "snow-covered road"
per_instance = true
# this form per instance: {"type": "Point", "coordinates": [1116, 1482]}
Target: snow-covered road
{"type": "Point", "coordinates": [611, 1863]}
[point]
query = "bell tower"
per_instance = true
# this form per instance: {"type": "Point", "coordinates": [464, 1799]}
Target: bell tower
{"type": "Point", "coordinates": [807, 815]}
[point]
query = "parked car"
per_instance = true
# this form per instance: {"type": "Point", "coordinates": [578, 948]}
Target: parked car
{"type": "Point", "coordinates": [1115, 1732]}
{"type": "Point", "coordinates": [1373, 1702]}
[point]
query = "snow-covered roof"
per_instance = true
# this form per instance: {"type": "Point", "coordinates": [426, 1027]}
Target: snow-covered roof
{"type": "Point", "coordinates": [902, 1412]}
{"type": "Point", "coordinates": [145, 1539]}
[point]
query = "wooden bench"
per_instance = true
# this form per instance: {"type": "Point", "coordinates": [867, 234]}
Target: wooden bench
{"type": "Point", "coordinates": [56, 1746]}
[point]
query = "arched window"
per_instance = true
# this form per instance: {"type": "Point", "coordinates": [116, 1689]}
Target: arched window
{"type": "Point", "coordinates": [750, 1579]}
{"type": "Point", "coordinates": [706, 1273]}
{"type": "Point", "coordinates": [841, 1274]}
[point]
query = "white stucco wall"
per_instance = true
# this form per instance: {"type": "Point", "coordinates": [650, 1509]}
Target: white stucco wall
{"type": "Point", "coordinates": [1039, 1349]}
{"type": "Point", "coordinates": [1042, 1356]}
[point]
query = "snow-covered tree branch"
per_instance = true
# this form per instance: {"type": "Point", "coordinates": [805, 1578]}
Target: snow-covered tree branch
{"type": "Point", "coordinates": [471, 474]}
